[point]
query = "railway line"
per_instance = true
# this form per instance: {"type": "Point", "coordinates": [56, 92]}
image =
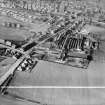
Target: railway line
{"type": "Point", "coordinates": [8, 75]}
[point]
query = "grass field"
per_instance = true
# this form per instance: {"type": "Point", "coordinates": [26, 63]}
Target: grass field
{"type": "Point", "coordinates": [52, 74]}
{"type": "Point", "coordinates": [61, 96]}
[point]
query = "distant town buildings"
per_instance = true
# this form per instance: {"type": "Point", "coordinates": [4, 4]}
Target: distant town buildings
{"type": "Point", "coordinates": [89, 9]}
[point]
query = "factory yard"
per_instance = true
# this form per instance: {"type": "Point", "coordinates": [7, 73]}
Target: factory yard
{"type": "Point", "coordinates": [53, 74]}
{"type": "Point", "coordinates": [51, 51]}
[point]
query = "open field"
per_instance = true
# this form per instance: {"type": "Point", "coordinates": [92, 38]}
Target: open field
{"type": "Point", "coordinates": [52, 74]}
{"type": "Point", "coordinates": [10, 33]}
{"type": "Point", "coordinates": [17, 34]}
{"type": "Point", "coordinates": [12, 101]}
{"type": "Point", "coordinates": [61, 96]}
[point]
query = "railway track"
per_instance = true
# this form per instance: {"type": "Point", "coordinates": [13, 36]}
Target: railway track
{"type": "Point", "coordinates": [7, 77]}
